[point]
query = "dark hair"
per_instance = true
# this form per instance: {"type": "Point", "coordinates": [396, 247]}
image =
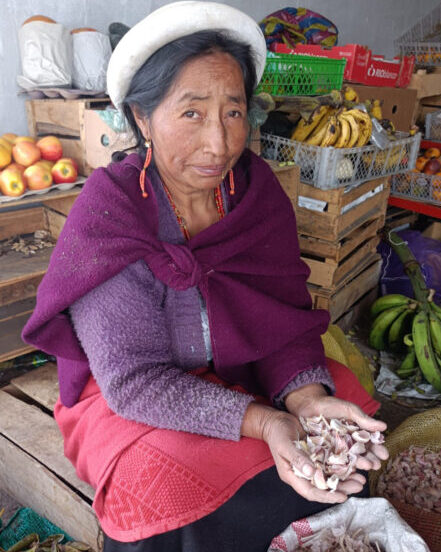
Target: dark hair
{"type": "Point", "coordinates": [154, 79]}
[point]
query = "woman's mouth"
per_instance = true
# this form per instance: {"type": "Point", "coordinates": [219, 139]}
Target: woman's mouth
{"type": "Point", "coordinates": [211, 170]}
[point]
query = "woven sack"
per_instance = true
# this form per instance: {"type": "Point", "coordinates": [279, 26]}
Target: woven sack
{"type": "Point", "coordinates": [424, 430]}
{"type": "Point", "coordinates": [338, 347]}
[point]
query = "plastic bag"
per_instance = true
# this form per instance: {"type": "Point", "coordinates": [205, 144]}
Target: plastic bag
{"type": "Point", "coordinates": [292, 26]}
{"type": "Point", "coordinates": [426, 251]}
{"type": "Point", "coordinates": [91, 54]}
{"type": "Point", "coordinates": [46, 55]}
{"type": "Point", "coordinates": [376, 517]}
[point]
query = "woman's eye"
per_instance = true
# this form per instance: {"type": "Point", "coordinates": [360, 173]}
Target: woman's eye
{"type": "Point", "coordinates": [191, 114]}
{"type": "Point", "coordinates": [235, 114]}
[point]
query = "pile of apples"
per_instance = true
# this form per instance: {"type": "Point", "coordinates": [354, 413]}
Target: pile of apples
{"type": "Point", "coordinates": [28, 164]}
{"type": "Point", "coordinates": [429, 162]}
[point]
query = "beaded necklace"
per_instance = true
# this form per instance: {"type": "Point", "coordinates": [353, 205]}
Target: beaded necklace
{"type": "Point", "coordinates": [180, 218]}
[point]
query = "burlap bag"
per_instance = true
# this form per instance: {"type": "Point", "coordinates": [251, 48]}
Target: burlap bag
{"type": "Point", "coordinates": [423, 429]}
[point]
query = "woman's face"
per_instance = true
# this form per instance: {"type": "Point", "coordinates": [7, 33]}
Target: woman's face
{"type": "Point", "coordinates": [200, 129]}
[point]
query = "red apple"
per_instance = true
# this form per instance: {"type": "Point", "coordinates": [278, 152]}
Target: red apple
{"type": "Point", "coordinates": [12, 182]}
{"type": "Point", "coordinates": [18, 139]}
{"type": "Point", "coordinates": [18, 167]}
{"type": "Point", "coordinates": [38, 177]}
{"type": "Point", "coordinates": [51, 148]}
{"type": "Point", "coordinates": [26, 153]}
{"type": "Point", "coordinates": [63, 171]}
{"type": "Point", "coordinates": [432, 166]}
{"type": "Point", "coordinates": [44, 163]}
{"type": "Point", "coordinates": [70, 160]}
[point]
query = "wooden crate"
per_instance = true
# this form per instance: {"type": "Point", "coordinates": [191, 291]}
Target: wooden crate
{"type": "Point", "coordinates": [288, 176]}
{"type": "Point", "coordinates": [331, 262]}
{"type": "Point", "coordinates": [83, 134]}
{"type": "Point", "coordinates": [19, 275]}
{"type": "Point", "coordinates": [341, 299]}
{"type": "Point", "coordinates": [399, 219]}
{"type": "Point", "coordinates": [339, 219]}
{"type": "Point", "coordinates": [33, 468]}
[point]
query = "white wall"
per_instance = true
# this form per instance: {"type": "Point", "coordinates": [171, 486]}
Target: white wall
{"type": "Point", "coordinates": [375, 23]}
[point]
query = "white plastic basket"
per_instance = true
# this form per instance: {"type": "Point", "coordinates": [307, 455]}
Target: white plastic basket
{"type": "Point", "coordinates": [418, 186]}
{"type": "Point", "coordinates": [328, 168]}
{"type": "Point", "coordinates": [423, 40]}
{"type": "Point", "coordinates": [433, 126]}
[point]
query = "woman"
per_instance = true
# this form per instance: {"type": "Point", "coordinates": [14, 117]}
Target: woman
{"type": "Point", "coordinates": [188, 259]}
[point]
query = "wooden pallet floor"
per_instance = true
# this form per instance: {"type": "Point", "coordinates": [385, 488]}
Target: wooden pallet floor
{"type": "Point", "coordinates": [33, 468]}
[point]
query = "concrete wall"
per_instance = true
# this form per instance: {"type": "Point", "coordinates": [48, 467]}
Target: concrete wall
{"type": "Point", "coordinates": [375, 23]}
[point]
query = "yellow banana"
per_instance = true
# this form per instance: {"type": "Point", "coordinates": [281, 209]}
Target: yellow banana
{"type": "Point", "coordinates": [376, 110]}
{"type": "Point", "coordinates": [423, 350]}
{"type": "Point", "coordinates": [317, 135]}
{"type": "Point", "coordinates": [350, 94]}
{"type": "Point", "coordinates": [365, 125]}
{"type": "Point", "coordinates": [355, 130]}
{"type": "Point", "coordinates": [345, 133]}
{"type": "Point", "coordinates": [305, 128]}
{"type": "Point", "coordinates": [331, 133]}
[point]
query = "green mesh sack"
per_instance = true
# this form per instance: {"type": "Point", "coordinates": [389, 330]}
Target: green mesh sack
{"type": "Point", "coordinates": [24, 522]}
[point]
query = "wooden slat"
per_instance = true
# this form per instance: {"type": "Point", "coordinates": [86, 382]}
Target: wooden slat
{"type": "Point", "coordinates": [21, 288]}
{"type": "Point", "coordinates": [17, 308]}
{"type": "Point", "coordinates": [35, 486]}
{"type": "Point", "coordinates": [11, 344]}
{"type": "Point", "coordinates": [40, 384]}
{"type": "Point", "coordinates": [55, 222]}
{"type": "Point", "coordinates": [339, 301]}
{"type": "Point", "coordinates": [357, 311]}
{"type": "Point", "coordinates": [338, 250]}
{"type": "Point", "coordinates": [62, 205]}
{"type": "Point", "coordinates": [74, 148]}
{"type": "Point", "coordinates": [37, 433]}
{"type": "Point", "coordinates": [45, 199]}
{"type": "Point", "coordinates": [27, 221]}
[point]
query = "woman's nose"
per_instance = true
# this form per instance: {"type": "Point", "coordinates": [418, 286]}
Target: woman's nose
{"type": "Point", "coordinates": [215, 138]}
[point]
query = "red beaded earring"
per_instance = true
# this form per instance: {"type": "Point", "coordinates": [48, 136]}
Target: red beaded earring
{"type": "Point", "coordinates": [148, 158]}
{"type": "Point", "coordinates": [231, 182]}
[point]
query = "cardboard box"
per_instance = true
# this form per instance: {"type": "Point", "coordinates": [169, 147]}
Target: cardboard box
{"type": "Point", "coordinates": [399, 104]}
{"type": "Point", "coordinates": [433, 231]}
{"type": "Point", "coordinates": [361, 65]}
{"type": "Point", "coordinates": [425, 84]}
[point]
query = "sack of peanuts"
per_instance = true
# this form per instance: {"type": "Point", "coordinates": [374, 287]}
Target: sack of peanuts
{"type": "Point", "coordinates": [357, 525]}
{"type": "Point", "coordinates": [411, 478]}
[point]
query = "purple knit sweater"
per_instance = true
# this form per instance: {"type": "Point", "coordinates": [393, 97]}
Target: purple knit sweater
{"type": "Point", "coordinates": [142, 337]}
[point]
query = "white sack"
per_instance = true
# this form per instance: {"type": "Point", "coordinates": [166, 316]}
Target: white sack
{"type": "Point", "coordinates": [46, 55]}
{"type": "Point", "coordinates": [91, 54]}
{"type": "Point", "coordinates": [375, 516]}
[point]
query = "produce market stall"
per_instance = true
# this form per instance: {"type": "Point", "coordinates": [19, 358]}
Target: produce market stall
{"type": "Point", "coordinates": [336, 122]}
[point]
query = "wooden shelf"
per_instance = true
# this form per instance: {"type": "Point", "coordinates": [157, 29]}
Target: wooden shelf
{"type": "Point", "coordinates": [45, 199]}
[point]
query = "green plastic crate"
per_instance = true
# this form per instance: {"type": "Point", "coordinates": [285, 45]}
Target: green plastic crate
{"type": "Point", "coordinates": [298, 75]}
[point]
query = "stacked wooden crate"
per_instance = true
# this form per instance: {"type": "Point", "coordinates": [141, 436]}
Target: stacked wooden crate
{"type": "Point", "coordinates": [20, 274]}
{"type": "Point", "coordinates": [81, 127]}
{"type": "Point", "coordinates": [339, 244]}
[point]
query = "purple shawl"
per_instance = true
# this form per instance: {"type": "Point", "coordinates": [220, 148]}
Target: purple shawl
{"type": "Point", "coordinates": [247, 267]}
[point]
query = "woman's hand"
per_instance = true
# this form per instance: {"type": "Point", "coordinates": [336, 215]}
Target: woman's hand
{"type": "Point", "coordinates": [312, 400]}
{"type": "Point", "coordinates": [279, 430]}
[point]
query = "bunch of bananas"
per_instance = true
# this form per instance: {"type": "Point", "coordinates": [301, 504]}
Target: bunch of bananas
{"type": "Point", "coordinates": [402, 324]}
{"type": "Point", "coordinates": [330, 126]}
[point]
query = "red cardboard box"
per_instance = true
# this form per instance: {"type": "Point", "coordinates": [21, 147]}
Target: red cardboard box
{"type": "Point", "coordinates": [361, 65]}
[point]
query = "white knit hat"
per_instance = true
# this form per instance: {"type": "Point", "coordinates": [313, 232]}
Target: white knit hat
{"type": "Point", "coordinates": [171, 22]}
